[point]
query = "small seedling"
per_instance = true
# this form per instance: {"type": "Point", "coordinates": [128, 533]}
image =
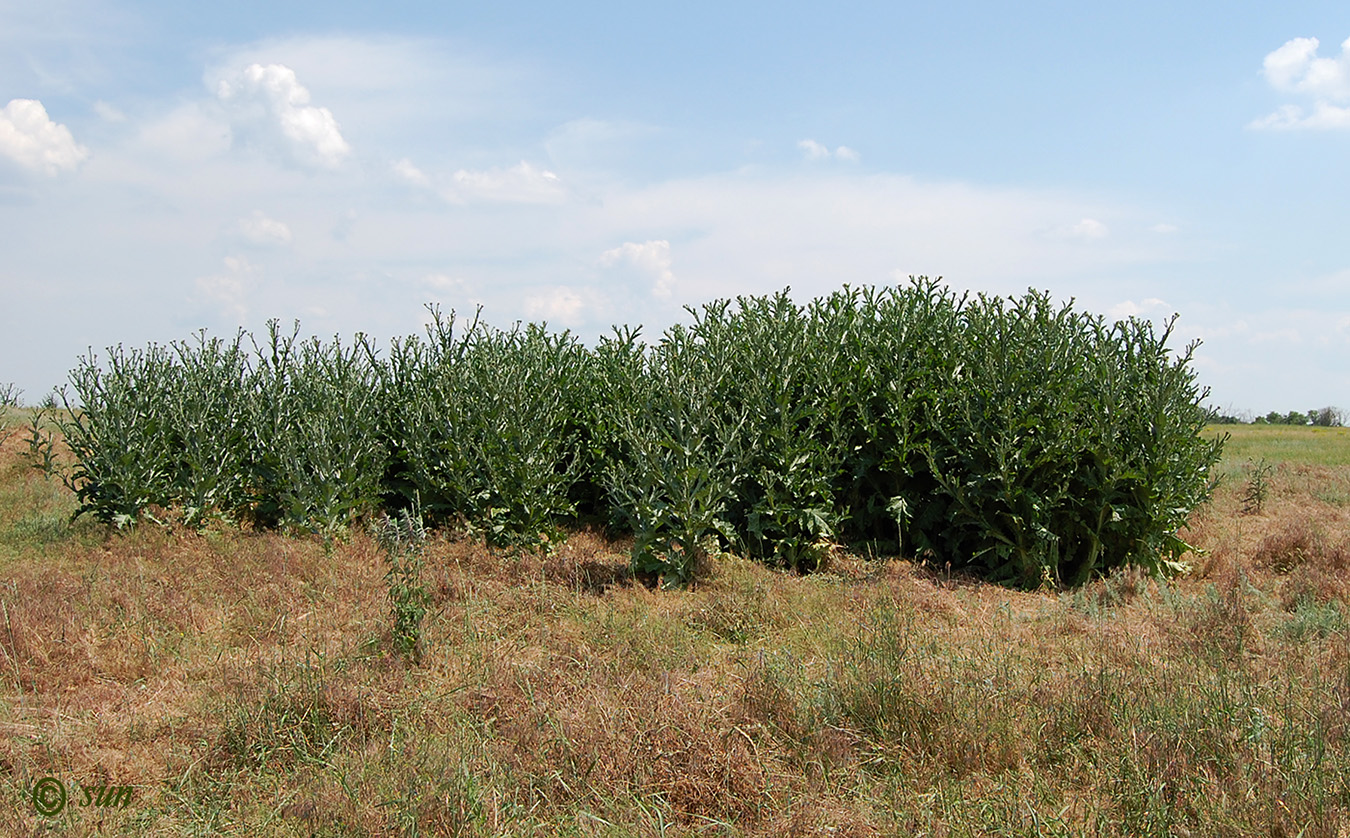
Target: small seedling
{"type": "Point", "coordinates": [1258, 487]}
{"type": "Point", "coordinates": [9, 397]}
{"type": "Point", "coordinates": [41, 452]}
{"type": "Point", "coordinates": [402, 540]}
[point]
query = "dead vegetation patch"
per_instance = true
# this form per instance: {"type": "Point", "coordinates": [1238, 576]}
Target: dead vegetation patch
{"type": "Point", "coordinates": [246, 682]}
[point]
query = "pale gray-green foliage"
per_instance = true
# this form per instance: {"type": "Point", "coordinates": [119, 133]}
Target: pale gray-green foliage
{"type": "Point", "coordinates": [673, 470]}
{"type": "Point", "coordinates": [402, 539]}
{"type": "Point", "coordinates": [120, 433]}
{"type": "Point", "coordinates": [315, 454]}
{"type": "Point", "coordinates": [1061, 441]}
{"type": "Point", "coordinates": [1017, 438]}
{"type": "Point", "coordinates": [285, 436]}
{"type": "Point", "coordinates": [9, 399]}
{"type": "Point", "coordinates": [481, 426]}
{"type": "Point", "coordinates": [41, 453]}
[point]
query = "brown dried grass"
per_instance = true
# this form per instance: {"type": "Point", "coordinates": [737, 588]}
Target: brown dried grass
{"type": "Point", "coordinates": [247, 680]}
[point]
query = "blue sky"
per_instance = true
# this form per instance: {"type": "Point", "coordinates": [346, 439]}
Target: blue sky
{"type": "Point", "coordinates": [169, 167]}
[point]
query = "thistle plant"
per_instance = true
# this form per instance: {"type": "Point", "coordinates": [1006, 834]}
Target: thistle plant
{"type": "Point", "coordinates": [672, 470]}
{"type": "Point", "coordinates": [1258, 487]}
{"type": "Point", "coordinates": [315, 456]}
{"type": "Point", "coordinates": [482, 426]}
{"type": "Point", "coordinates": [1011, 437]}
{"type": "Point", "coordinates": [9, 398]}
{"type": "Point", "coordinates": [41, 453]}
{"type": "Point", "coordinates": [402, 539]}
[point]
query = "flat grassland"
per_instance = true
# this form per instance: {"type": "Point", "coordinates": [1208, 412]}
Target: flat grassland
{"type": "Point", "coordinates": [1288, 444]}
{"type": "Point", "coordinates": [246, 683]}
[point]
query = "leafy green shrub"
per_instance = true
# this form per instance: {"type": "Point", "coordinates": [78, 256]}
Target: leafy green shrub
{"type": "Point", "coordinates": [900, 342]}
{"type": "Point", "coordinates": [481, 425]}
{"type": "Point", "coordinates": [785, 429]}
{"type": "Point", "coordinates": [1016, 438]}
{"type": "Point", "coordinates": [1062, 443]}
{"type": "Point", "coordinates": [314, 454]}
{"type": "Point", "coordinates": [125, 455]}
{"type": "Point", "coordinates": [671, 472]}
{"type": "Point", "coordinates": [206, 416]}
{"type": "Point", "coordinates": [287, 440]}
{"type": "Point", "coordinates": [9, 399]}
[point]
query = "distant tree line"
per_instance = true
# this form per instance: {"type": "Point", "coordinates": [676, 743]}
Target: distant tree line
{"type": "Point", "coordinates": [1325, 417]}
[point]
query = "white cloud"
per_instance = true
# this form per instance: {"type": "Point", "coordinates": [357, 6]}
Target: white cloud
{"type": "Point", "coordinates": [816, 151]}
{"type": "Point", "coordinates": [1295, 69]}
{"type": "Point", "coordinates": [262, 231]}
{"type": "Point", "coordinates": [108, 113]}
{"type": "Point", "coordinates": [345, 224]}
{"type": "Point", "coordinates": [1283, 67]}
{"type": "Point", "coordinates": [454, 289]}
{"type": "Point", "coordinates": [1285, 116]}
{"type": "Point", "coordinates": [752, 232]}
{"type": "Point", "coordinates": [270, 99]}
{"type": "Point", "coordinates": [403, 93]}
{"type": "Point", "coordinates": [519, 184]}
{"type": "Point", "coordinates": [29, 137]}
{"type": "Point", "coordinates": [561, 305]}
{"type": "Point", "coordinates": [409, 173]}
{"type": "Point", "coordinates": [813, 149]}
{"type": "Point", "coordinates": [1333, 286]}
{"type": "Point", "coordinates": [1324, 328]}
{"type": "Point", "coordinates": [1089, 228]}
{"type": "Point", "coordinates": [1290, 335]}
{"type": "Point", "coordinates": [1147, 308]}
{"type": "Point", "coordinates": [229, 290]}
{"type": "Point", "coordinates": [651, 261]}
{"type": "Point", "coordinates": [444, 282]}
{"type": "Point", "coordinates": [522, 184]}
{"type": "Point", "coordinates": [189, 133]}
{"type": "Point", "coordinates": [594, 143]}
{"type": "Point", "coordinates": [1289, 117]}
{"type": "Point", "coordinates": [1239, 327]}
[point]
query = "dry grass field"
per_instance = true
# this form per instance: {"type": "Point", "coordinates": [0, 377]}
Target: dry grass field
{"type": "Point", "coordinates": [247, 683]}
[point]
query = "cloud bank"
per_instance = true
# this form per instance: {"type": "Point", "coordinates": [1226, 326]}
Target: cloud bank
{"type": "Point", "coordinates": [1295, 68]}
{"type": "Point", "coordinates": [30, 138]}
{"type": "Point", "coordinates": [816, 151]}
{"type": "Point", "coordinates": [268, 104]}
{"type": "Point", "coordinates": [261, 231]}
{"type": "Point", "coordinates": [650, 261]}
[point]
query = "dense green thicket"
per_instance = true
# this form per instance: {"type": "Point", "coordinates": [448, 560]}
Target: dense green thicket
{"type": "Point", "coordinates": [1016, 438]}
{"type": "Point", "coordinates": [484, 426]}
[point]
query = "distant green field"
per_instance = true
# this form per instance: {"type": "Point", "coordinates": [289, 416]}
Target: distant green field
{"type": "Point", "coordinates": [1284, 444]}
